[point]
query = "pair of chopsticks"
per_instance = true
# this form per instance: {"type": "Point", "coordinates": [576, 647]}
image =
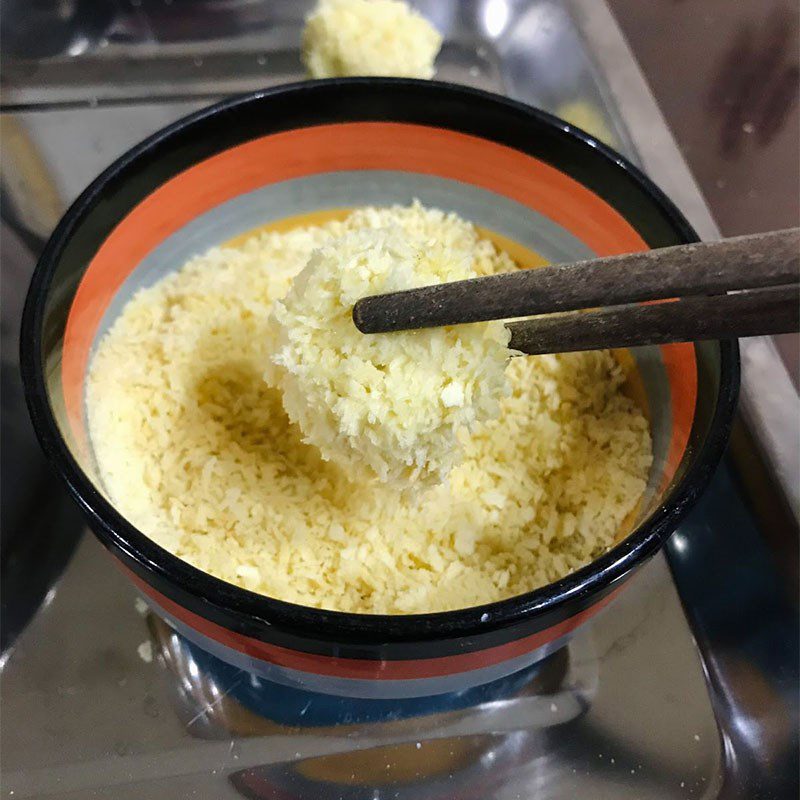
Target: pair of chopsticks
{"type": "Point", "coordinates": [744, 286]}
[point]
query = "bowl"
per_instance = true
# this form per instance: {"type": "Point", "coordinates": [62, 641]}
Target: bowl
{"type": "Point", "coordinates": [300, 149]}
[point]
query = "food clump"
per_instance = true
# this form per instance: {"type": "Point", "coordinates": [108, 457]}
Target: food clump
{"type": "Point", "coordinates": [347, 38]}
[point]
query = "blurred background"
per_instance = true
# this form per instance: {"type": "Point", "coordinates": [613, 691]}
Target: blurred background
{"type": "Point", "coordinates": [727, 78]}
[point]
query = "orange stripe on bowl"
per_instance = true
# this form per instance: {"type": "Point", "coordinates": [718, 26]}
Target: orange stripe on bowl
{"type": "Point", "coordinates": [325, 148]}
{"type": "Point", "coordinates": [371, 669]}
{"type": "Point", "coordinates": [681, 368]}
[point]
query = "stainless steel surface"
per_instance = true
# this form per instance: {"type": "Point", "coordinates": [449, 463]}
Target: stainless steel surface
{"type": "Point", "coordinates": [529, 50]}
{"type": "Point", "coordinates": [626, 712]}
{"type": "Point", "coordinates": [100, 721]}
{"type": "Point", "coordinates": [207, 48]}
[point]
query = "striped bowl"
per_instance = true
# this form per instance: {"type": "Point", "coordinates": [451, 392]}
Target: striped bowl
{"type": "Point", "coordinates": [529, 178]}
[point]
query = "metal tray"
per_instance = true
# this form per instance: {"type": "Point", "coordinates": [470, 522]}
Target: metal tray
{"type": "Point", "coordinates": [642, 704]}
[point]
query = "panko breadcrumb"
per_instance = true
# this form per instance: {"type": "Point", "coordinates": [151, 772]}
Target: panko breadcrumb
{"type": "Point", "coordinates": [388, 406]}
{"type": "Point", "coordinates": [346, 38]}
{"type": "Point", "coordinates": [196, 450]}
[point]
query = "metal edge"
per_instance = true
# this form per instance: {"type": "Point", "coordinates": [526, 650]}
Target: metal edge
{"type": "Point", "coordinates": [767, 396]}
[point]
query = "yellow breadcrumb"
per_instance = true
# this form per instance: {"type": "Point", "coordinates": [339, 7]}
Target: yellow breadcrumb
{"type": "Point", "coordinates": [387, 406]}
{"type": "Point", "coordinates": [346, 38]}
{"type": "Point", "coordinates": [197, 451]}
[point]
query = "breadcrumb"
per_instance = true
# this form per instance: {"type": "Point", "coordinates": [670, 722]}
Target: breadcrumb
{"type": "Point", "coordinates": [197, 451]}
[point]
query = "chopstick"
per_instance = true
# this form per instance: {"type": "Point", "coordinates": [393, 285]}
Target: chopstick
{"type": "Point", "coordinates": [763, 270]}
{"type": "Point", "coordinates": [756, 312]}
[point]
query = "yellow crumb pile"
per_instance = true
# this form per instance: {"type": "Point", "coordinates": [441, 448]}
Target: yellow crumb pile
{"type": "Point", "coordinates": [345, 38]}
{"type": "Point", "coordinates": [198, 452]}
{"type": "Point", "coordinates": [388, 406]}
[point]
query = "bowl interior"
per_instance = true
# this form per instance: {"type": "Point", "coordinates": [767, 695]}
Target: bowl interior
{"type": "Point", "coordinates": [541, 192]}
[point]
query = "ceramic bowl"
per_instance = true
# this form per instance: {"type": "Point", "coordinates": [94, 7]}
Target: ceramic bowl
{"type": "Point", "coordinates": [298, 149]}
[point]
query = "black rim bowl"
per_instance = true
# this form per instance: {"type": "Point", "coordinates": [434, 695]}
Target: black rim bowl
{"type": "Point", "coordinates": [316, 102]}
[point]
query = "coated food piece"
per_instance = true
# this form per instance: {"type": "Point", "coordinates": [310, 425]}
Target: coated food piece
{"type": "Point", "coordinates": [348, 38]}
{"type": "Point", "coordinates": [386, 407]}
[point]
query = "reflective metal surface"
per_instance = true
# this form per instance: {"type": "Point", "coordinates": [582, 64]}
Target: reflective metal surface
{"type": "Point", "coordinates": [182, 49]}
{"type": "Point", "coordinates": [623, 712]}
{"type": "Point", "coordinates": [101, 701]}
{"type": "Point", "coordinates": [33, 505]}
{"type": "Point", "coordinates": [743, 609]}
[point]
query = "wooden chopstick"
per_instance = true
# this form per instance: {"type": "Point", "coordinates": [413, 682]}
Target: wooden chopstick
{"type": "Point", "coordinates": [754, 312]}
{"type": "Point", "coordinates": [706, 268]}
